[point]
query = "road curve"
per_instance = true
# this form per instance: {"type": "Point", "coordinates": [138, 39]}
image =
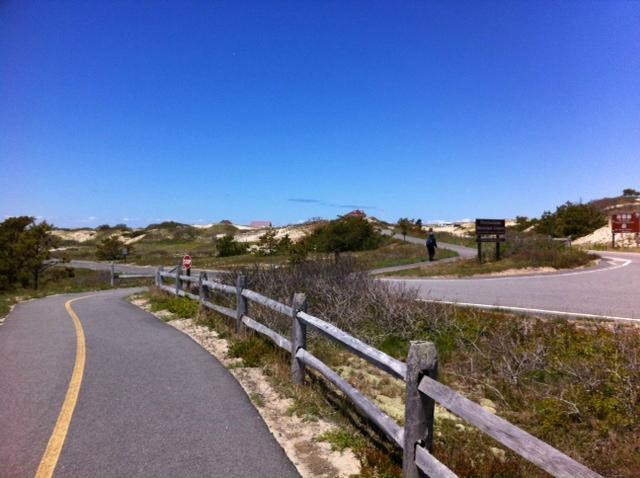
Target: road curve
{"type": "Point", "coordinates": [611, 290]}
{"type": "Point", "coordinates": [151, 401]}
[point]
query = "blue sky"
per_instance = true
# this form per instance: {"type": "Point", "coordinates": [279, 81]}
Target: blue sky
{"type": "Point", "coordinates": [209, 110]}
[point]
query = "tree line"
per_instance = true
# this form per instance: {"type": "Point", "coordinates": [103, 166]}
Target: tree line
{"type": "Point", "coordinates": [24, 251]}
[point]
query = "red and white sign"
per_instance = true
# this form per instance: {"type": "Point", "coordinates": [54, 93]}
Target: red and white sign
{"type": "Point", "coordinates": [625, 222]}
{"type": "Point", "coordinates": [186, 262]}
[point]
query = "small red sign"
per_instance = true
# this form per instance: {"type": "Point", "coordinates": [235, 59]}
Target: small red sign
{"type": "Point", "coordinates": [625, 222]}
{"type": "Point", "coordinates": [186, 262]}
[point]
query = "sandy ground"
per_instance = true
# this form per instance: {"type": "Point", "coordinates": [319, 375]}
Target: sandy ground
{"type": "Point", "coordinates": [603, 236]}
{"type": "Point", "coordinates": [84, 235]}
{"type": "Point", "coordinates": [298, 437]}
{"type": "Point", "coordinates": [295, 233]}
{"type": "Point", "coordinates": [240, 227]}
{"type": "Point", "coordinates": [81, 235]}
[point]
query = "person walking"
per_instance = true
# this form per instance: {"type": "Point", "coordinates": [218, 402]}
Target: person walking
{"type": "Point", "coordinates": [431, 244]}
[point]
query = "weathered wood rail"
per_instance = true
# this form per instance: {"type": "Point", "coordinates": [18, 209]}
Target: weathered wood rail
{"type": "Point", "coordinates": [419, 373]}
{"type": "Point", "coordinates": [127, 275]}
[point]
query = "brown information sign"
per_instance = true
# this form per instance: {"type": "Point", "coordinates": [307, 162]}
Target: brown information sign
{"type": "Point", "coordinates": [490, 226]}
{"type": "Point", "coordinates": [628, 222]}
{"type": "Point", "coordinates": [491, 239]}
{"type": "Point", "coordinates": [490, 230]}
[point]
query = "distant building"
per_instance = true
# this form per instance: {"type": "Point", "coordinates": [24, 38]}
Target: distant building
{"type": "Point", "coordinates": [260, 224]}
{"type": "Point", "coordinates": [356, 213]}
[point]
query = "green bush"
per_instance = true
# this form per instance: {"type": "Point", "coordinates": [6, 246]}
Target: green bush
{"type": "Point", "coordinates": [571, 219]}
{"type": "Point", "coordinates": [345, 234]}
{"type": "Point", "coordinates": [181, 306]}
{"type": "Point", "coordinates": [227, 246]}
{"type": "Point", "coordinates": [111, 248]}
{"type": "Point", "coordinates": [24, 248]}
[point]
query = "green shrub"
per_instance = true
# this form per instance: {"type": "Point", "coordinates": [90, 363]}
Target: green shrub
{"type": "Point", "coordinates": [350, 233]}
{"type": "Point", "coordinates": [571, 219]}
{"type": "Point", "coordinates": [111, 249]}
{"type": "Point", "coordinates": [24, 248]}
{"type": "Point", "coordinates": [183, 307]}
{"type": "Point", "coordinates": [251, 350]}
{"type": "Point", "coordinates": [227, 246]}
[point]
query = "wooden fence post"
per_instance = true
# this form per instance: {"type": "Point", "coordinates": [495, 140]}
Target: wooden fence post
{"type": "Point", "coordinates": [298, 337]}
{"type": "Point", "coordinates": [202, 292]}
{"type": "Point", "coordinates": [113, 274]}
{"type": "Point", "coordinates": [178, 282]}
{"type": "Point", "coordinates": [419, 409]}
{"type": "Point", "coordinates": [242, 305]}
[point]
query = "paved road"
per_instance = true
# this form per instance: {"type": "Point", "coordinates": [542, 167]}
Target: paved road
{"type": "Point", "coordinates": [151, 401]}
{"type": "Point", "coordinates": [121, 268]}
{"type": "Point", "coordinates": [610, 290]}
{"type": "Point", "coordinates": [106, 266]}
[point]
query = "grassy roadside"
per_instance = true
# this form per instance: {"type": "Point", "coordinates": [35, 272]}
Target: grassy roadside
{"type": "Point", "coordinates": [572, 384]}
{"type": "Point", "coordinates": [471, 267]}
{"type": "Point", "coordinates": [59, 280]}
{"type": "Point", "coordinates": [539, 254]}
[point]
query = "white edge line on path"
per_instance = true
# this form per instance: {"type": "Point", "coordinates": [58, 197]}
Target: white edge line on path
{"type": "Point", "coordinates": [537, 311]}
{"type": "Point", "coordinates": [625, 262]}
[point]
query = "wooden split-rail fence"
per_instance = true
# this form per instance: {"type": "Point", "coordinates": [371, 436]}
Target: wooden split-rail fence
{"type": "Point", "coordinates": [420, 373]}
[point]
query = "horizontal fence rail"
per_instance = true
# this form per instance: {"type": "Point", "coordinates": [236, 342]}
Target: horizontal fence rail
{"type": "Point", "coordinates": [370, 354]}
{"type": "Point", "coordinates": [366, 406]}
{"type": "Point", "coordinates": [524, 444]}
{"type": "Point", "coordinates": [419, 374]}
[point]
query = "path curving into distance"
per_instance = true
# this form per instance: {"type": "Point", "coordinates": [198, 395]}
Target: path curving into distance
{"type": "Point", "coordinates": [138, 398]}
{"type": "Point", "coordinates": [611, 290]}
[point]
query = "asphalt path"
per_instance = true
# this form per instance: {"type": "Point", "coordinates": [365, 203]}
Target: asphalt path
{"type": "Point", "coordinates": [151, 401]}
{"type": "Point", "coordinates": [463, 251]}
{"type": "Point", "coordinates": [106, 266]}
{"type": "Point", "coordinates": [612, 289]}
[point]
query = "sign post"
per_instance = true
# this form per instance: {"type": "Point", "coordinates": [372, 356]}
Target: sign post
{"type": "Point", "coordinates": [624, 223]}
{"type": "Point", "coordinates": [186, 264]}
{"type": "Point", "coordinates": [490, 230]}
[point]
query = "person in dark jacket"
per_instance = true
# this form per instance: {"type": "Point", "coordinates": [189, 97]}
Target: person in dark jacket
{"type": "Point", "coordinates": [431, 244]}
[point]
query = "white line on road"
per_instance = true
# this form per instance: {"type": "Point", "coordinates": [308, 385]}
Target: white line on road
{"type": "Point", "coordinates": [625, 262]}
{"type": "Point", "coordinates": [531, 310]}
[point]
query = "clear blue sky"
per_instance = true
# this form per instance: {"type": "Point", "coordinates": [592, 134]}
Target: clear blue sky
{"type": "Point", "coordinates": [201, 111]}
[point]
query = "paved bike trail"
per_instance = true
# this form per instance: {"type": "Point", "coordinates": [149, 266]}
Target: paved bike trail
{"type": "Point", "coordinates": [151, 402]}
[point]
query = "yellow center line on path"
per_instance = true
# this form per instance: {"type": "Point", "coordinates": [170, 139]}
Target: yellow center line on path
{"type": "Point", "coordinates": [56, 442]}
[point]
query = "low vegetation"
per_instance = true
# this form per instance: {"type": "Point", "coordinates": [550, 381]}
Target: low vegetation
{"type": "Point", "coordinates": [166, 243]}
{"type": "Point", "coordinates": [181, 306]}
{"type": "Point", "coordinates": [572, 384]}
